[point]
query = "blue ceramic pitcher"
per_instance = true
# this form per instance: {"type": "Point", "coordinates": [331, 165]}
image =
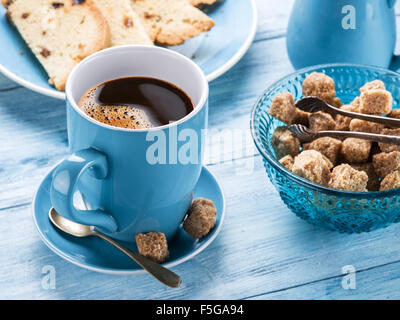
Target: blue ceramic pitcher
{"type": "Point", "coordinates": [350, 31]}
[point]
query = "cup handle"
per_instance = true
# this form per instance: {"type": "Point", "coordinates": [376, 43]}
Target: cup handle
{"type": "Point", "coordinates": [64, 183]}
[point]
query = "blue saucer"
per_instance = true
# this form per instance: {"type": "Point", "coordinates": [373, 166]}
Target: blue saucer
{"type": "Point", "coordinates": [95, 254]}
{"type": "Point", "coordinates": [215, 52]}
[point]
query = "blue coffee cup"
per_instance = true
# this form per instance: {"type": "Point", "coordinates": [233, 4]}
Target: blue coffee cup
{"type": "Point", "coordinates": [341, 31]}
{"type": "Point", "coordinates": [125, 181]}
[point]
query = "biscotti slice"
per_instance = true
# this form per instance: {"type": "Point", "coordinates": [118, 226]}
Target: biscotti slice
{"type": "Point", "coordinates": [125, 25]}
{"type": "Point", "coordinates": [199, 3]}
{"type": "Point", "coordinates": [171, 22]}
{"type": "Point", "coordinates": [60, 33]}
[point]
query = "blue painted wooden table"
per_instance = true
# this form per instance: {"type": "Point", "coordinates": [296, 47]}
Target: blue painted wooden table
{"type": "Point", "coordinates": [263, 252]}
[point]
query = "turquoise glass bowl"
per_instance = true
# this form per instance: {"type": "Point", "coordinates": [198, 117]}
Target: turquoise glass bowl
{"type": "Point", "coordinates": [343, 211]}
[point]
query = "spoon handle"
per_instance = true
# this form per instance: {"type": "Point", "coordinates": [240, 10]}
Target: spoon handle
{"type": "Point", "coordinates": [162, 274]}
{"type": "Point", "coordinates": [360, 135]}
{"type": "Point", "coordinates": [391, 122]}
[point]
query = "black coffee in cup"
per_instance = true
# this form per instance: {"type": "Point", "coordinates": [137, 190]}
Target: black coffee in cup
{"type": "Point", "coordinates": [136, 103]}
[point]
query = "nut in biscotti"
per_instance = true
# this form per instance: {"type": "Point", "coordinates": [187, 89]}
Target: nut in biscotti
{"type": "Point", "coordinates": [125, 25]}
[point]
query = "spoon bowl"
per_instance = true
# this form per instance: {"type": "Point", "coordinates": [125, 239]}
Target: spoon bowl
{"type": "Point", "coordinates": [159, 272]}
{"type": "Point", "coordinates": [68, 226]}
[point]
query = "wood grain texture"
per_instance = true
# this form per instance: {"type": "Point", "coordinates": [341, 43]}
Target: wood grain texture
{"type": "Point", "coordinates": [263, 252]}
{"type": "Point", "coordinates": [376, 283]}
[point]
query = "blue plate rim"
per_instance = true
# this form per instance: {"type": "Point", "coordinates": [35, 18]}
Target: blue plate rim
{"type": "Point", "coordinates": [91, 267]}
{"type": "Point", "coordinates": [210, 77]}
{"type": "Point", "coordinates": [242, 50]}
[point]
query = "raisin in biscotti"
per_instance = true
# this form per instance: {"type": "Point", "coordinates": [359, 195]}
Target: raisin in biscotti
{"type": "Point", "coordinates": [171, 22]}
{"type": "Point", "coordinates": [59, 32]}
{"type": "Point", "coordinates": [124, 23]}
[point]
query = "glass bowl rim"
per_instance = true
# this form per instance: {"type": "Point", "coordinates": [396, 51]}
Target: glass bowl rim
{"type": "Point", "coordinates": [302, 181]}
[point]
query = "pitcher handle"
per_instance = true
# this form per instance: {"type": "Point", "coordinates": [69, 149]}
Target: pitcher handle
{"type": "Point", "coordinates": [391, 3]}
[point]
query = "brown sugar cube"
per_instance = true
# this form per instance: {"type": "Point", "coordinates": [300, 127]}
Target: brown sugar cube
{"type": "Point", "coordinates": [284, 142]}
{"type": "Point", "coordinates": [301, 117]}
{"type": "Point", "coordinates": [337, 102]}
{"type": "Point", "coordinates": [373, 85]}
{"type": "Point", "coordinates": [356, 104]}
{"type": "Point", "coordinates": [394, 114]}
{"type": "Point", "coordinates": [319, 85]}
{"type": "Point", "coordinates": [343, 122]}
{"type": "Point", "coordinates": [391, 181]}
{"type": "Point", "coordinates": [287, 162]}
{"type": "Point", "coordinates": [344, 177]}
{"type": "Point", "coordinates": [153, 245]}
{"type": "Point", "coordinates": [385, 163]}
{"type": "Point", "coordinates": [201, 218]}
{"type": "Point", "coordinates": [328, 146]}
{"type": "Point", "coordinates": [365, 126]}
{"type": "Point", "coordinates": [376, 102]}
{"type": "Point", "coordinates": [312, 165]}
{"type": "Point", "coordinates": [373, 179]}
{"type": "Point", "coordinates": [283, 108]}
{"type": "Point", "coordinates": [320, 121]}
{"type": "Point", "coordinates": [387, 147]}
{"type": "Point", "coordinates": [356, 150]}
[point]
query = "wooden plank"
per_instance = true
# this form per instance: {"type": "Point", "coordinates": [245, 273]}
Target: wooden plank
{"type": "Point", "coordinates": [376, 284]}
{"type": "Point", "coordinates": [263, 247]}
{"type": "Point", "coordinates": [263, 251]}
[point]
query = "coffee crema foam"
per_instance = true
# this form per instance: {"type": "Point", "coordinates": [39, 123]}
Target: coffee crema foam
{"type": "Point", "coordinates": [118, 116]}
{"type": "Point", "coordinates": [136, 103]}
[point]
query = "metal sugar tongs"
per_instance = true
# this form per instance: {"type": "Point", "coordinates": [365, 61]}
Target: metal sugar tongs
{"type": "Point", "coordinates": [314, 104]}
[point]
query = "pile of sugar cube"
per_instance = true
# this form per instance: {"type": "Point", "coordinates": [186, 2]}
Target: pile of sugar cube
{"type": "Point", "coordinates": [352, 164]}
